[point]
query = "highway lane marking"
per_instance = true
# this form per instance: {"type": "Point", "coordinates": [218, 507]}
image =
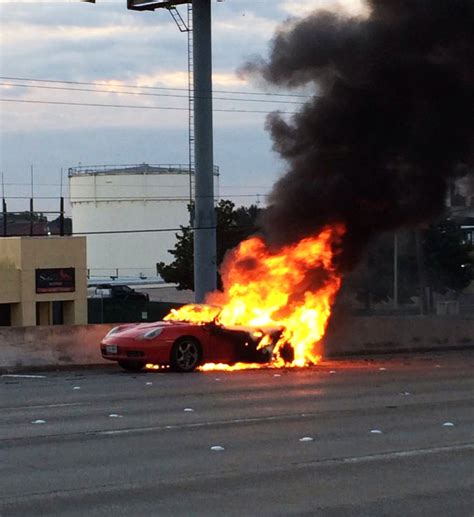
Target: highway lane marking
{"type": "Point", "coordinates": [392, 455]}
{"type": "Point", "coordinates": [177, 426]}
{"type": "Point", "coordinates": [206, 424]}
{"type": "Point", "coordinates": [233, 472]}
{"type": "Point", "coordinates": [16, 376]}
{"type": "Point", "coordinates": [43, 406]}
{"type": "Point", "coordinates": [111, 432]}
{"type": "Point", "coordinates": [270, 418]}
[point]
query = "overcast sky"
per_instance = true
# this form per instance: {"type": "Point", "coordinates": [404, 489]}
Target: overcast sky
{"type": "Point", "coordinates": [113, 48]}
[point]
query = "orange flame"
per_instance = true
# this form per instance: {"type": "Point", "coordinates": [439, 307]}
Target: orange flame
{"type": "Point", "coordinates": [292, 288]}
{"type": "Point", "coordinates": [194, 313]}
{"type": "Point", "coordinates": [229, 367]}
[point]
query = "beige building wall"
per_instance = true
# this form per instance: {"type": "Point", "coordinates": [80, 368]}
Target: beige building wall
{"type": "Point", "coordinates": [9, 285]}
{"type": "Point", "coordinates": [20, 257]}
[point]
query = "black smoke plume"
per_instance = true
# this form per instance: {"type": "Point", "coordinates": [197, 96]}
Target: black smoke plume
{"type": "Point", "coordinates": [391, 125]}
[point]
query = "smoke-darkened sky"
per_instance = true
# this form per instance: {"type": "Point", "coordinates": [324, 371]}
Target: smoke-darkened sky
{"type": "Point", "coordinates": [392, 124]}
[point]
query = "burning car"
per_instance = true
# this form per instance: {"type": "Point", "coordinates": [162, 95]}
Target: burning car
{"type": "Point", "coordinates": [274, 308]}
{"type": "Point", "coordinates": [185, 340]}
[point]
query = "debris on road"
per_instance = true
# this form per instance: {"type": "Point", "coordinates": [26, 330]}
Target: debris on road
{"type": "Point", "coordinates": [217, 448]}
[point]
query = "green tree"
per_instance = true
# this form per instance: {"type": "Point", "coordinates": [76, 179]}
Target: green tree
{"type": "Point", "coordinates": [233, 225]}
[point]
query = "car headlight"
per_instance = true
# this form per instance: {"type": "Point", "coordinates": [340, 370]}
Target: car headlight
{"type": "Point", "coordinates": [112, 331]}
{"type": "Point", "coordinates": [151, 334]}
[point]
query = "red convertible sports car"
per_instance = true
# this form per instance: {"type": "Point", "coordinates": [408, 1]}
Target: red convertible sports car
{"type": "Point", "coordinates": [184, 345]}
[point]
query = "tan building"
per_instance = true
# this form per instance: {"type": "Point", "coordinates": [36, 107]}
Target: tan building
{"type": "Point", "coordinates": [43, 281]}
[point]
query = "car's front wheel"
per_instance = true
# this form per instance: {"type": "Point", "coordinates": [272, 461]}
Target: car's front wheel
{"type": "Point", "coordinates": [185, 355]}
{"type": "Point", "coordinates": [132, 366]}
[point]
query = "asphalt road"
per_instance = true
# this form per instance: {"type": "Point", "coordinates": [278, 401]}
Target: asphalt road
{"type": "Point", "coordinates": [155, 457]}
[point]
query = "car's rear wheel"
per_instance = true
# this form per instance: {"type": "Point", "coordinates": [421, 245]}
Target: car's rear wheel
{"type": "Point", "coordinates": [132, 366]}
{"type": "Point", "coordinates": [185, 355]}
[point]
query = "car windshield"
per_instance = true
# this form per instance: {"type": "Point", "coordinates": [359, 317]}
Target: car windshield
{"type": "Point", "coordinates": [194, 313]}
{"type": "Point", "coordinates": [123, 288]}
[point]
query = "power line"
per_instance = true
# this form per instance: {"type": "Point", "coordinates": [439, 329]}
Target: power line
{"type": "Point", "coordinates": [129, 198]}
{"type": "Point", "coordinates": [84, 83]}
{"type": "Point", "coordinates": [159, 230]}
{"type": "Point", "coordinates": [151, 230]}
{"type": "Point", "coordinates": [131, 106]}
{"type": "Point", "coordinates": [148, 230]}
{"type": "Point", "coordinates": [141, 94]}
{"type": "Point", "coordinates": [28, 184]}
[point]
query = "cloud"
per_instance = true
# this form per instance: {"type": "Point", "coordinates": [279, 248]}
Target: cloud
{"type": "Point", "coordinates": [300, 8]}
{"type": "Point", "coordinates": [73, 43]}
{"type": "Point", "coordinates": [248, 25]}
{"type": "Point", "coordinates": [112, 47]}
{"type": "Point", "coordinates": [15, 34]}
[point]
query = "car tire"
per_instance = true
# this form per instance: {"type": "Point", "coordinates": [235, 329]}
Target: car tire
{"type": "Point", "coordinates": [132, 366]}
{"type": "Point", "coordinates": [185, 355]}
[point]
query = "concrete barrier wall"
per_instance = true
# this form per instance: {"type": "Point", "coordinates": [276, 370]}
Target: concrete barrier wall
{"type": "Point", "coordinates": [22, 347]}
{"type": "Point", "coordinates": [382, 334]}
{"type": "Point", "coordinates": [51, 346]}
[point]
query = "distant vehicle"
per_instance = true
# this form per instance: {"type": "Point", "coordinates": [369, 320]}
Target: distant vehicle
{"type": "Point", "coordinates": [119, 292]}
{"type": "Point", "coordinates": [184, 345]}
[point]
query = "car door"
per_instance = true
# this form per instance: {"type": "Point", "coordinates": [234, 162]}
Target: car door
{"type": "Point", "coordinates": [230, 345]}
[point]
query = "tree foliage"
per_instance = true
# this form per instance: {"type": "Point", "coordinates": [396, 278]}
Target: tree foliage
{"type": "Point", "coordinates": [233, 225]}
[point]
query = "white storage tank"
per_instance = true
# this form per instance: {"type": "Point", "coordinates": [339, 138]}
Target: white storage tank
{"type": "Point", "coordinates": [117, 202]}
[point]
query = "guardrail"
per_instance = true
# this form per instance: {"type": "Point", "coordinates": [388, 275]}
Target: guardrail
{"type": "Point", "coordinates": [59, 345]}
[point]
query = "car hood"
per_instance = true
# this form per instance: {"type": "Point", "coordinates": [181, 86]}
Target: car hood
{"type": "Point", "coordinates": [133, 329]}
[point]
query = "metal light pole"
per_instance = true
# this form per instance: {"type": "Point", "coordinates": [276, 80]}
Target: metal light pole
{"type": "Point", "coordinates": [205, 278]}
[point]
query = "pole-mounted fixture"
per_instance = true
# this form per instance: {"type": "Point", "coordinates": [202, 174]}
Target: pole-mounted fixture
{"type": "Point", "coordinates": [146, 5]}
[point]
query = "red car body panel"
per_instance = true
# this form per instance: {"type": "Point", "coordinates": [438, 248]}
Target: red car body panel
{"type": "Point", "coordinates": [218, 344]}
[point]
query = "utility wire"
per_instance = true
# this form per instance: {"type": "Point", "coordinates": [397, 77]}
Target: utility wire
{"type": "Point", "coordinates": [159, 230]}
{"type": "Point", "coordinates": [93, 199]}
{"type": "Point", "coordinates": [168, 108]}
{"type": "Point", "coordinates": [24, 184]}
{"type": "Point", "coordinates": [141, 94]}
{"type": "Point", "coordinates": [84, 83]}
{"type": "Point", "coordinates": [151, 230]}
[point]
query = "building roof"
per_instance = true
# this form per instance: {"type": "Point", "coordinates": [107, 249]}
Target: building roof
{"type": "Point", "coordinates": [142, 168]}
